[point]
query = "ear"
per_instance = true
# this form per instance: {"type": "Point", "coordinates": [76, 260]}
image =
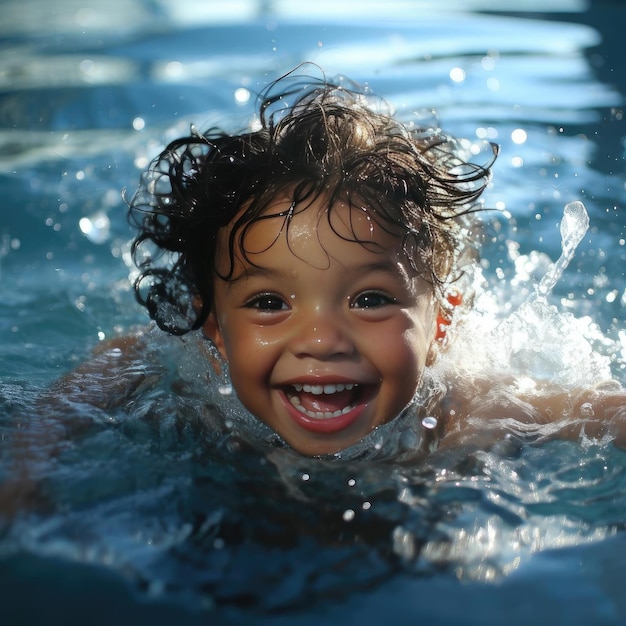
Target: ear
{"type": "Point", "coordinates": [211, 330]}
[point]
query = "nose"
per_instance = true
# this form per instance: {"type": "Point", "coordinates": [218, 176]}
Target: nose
{"type": "Point", "coordinates": [323, 336]}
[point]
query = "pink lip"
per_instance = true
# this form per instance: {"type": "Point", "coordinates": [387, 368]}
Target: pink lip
{"type": "Point", "coordinates": [322, 426]}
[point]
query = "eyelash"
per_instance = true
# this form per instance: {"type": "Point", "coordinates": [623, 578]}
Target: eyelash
{"type": "Point", "coordinates": [272, 302]}
{"type": "Point", "coordinates": [382, 298]}
{"type": "Point", "coordinates": [266, 298]}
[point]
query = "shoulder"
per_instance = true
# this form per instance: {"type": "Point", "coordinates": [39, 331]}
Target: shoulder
{"type": "Point", "coordinates": [488, 410]}
{"type": "Point", "coordinates": [115, 370]}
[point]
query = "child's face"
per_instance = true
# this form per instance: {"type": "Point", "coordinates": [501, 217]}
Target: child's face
{"type": "Point", "coordinates": [325, 338]}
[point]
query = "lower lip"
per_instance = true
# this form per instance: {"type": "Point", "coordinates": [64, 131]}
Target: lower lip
{"type": "Point", "coordinates": [322, 425]}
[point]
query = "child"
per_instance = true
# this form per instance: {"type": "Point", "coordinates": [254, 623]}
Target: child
{"type": "Point", "coordinates": [323, 253]}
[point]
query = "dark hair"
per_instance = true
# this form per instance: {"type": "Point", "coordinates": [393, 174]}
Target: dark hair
{"type": "Point", "coordinates": [332, 140]}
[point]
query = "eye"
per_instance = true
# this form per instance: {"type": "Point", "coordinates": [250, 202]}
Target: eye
{"type": "Point", "coordinates": [267, 302]}
{"type": "Point", "coordinates": [372, 300]}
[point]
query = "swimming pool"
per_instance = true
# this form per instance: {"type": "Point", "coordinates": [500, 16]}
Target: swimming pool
{"type": "Point", "coordinates": [150, 517]}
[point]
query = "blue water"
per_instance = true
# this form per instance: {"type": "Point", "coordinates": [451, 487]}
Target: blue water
{"type": "Point", "coordinates": [151, 516]}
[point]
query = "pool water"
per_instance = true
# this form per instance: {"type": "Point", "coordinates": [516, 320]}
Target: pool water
{"type": "Point", "coordinates": [159, 513]}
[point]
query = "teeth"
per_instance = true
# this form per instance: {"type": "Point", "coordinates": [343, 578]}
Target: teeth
{"type": "Point", "coordinates": [318, 390]}
{"type": "Point", "coordinates": [319, 414]}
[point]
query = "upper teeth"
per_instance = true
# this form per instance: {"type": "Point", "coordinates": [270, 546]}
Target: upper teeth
{"type": "Point", "coordinates": [318, 390]}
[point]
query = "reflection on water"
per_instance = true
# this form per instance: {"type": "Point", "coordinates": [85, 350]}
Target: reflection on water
{"type": "Point", "coordinates": [189, 513]}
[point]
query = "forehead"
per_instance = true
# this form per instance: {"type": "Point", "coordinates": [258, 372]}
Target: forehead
{"type": "Point", "coordinates": [314, 231]}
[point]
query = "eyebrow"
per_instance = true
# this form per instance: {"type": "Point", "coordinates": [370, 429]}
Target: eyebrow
{"type": "Point", "coordinates": [387, 267]}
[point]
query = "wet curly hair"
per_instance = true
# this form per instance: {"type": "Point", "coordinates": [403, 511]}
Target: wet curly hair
{"type": "Point", "coordinates": [312, 138]}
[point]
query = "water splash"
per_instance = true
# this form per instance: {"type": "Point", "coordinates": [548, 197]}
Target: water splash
{"type": "Point", "coordinates": [534, 334]}
{"type": "Point", "coordinates": [537, 341]}
{"type": "Point", "coordinates": [573, 228]}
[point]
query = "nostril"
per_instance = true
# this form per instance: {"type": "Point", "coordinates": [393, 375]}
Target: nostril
{"type": "Point", "coordinates": [327, 338]}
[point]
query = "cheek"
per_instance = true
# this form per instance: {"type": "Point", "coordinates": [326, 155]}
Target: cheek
{"type": "Point", "coordinates": [250, 356]}
{"type": "Point", "coordinates": [401, 374]}
{"type": "Point", "coordinates": [250, 368]}
{"type": "Point", "coordinates": [242, 336]}
{"type": "Point", "coordinates": [407, 362]}
{"type": "Point", "coordinates": [403, 364]}
{"type": "Point", "coordinates": [405, 347]}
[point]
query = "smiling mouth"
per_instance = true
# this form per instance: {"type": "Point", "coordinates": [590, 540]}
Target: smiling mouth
{"type": "Point", "coordinates": [323, 402]}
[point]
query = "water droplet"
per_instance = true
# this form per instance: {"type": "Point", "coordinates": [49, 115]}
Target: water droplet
{"type": "Point", "coordinates": [429, 423]}
{"type": "Point", "coordinates": [242, 95]}
{"type": "Point", "coordinates": [96, 227]}
{"type": "Point", "coordinates": [519, 136]}
{"type": "Point", "coordinates": [586, 410]}
{"type": "Point", "coordinates": [457, 74]}
{"type": "Point", "coordinates": [348, 515]}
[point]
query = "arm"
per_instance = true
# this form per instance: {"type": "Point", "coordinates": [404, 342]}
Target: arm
{"type": "Point", "coordinates": [595, 413]}
{"type": "Point", "coordinates": [482, 414]}
{"type": "Point", "coordinates": [118, 370]}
